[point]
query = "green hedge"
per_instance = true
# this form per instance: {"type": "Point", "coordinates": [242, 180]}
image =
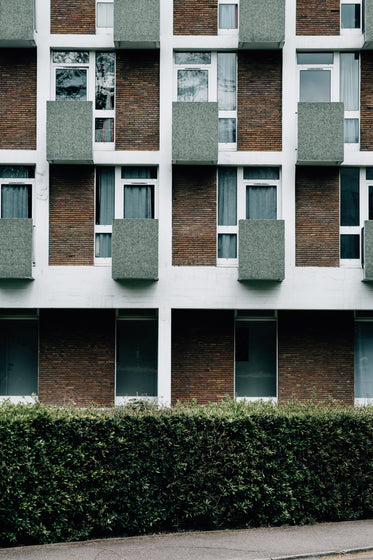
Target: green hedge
{"type": "Point", "coordinates": [72, 474]}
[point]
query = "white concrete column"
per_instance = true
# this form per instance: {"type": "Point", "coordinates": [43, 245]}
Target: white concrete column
{"type": "Point", "coordinates": [164, 356]}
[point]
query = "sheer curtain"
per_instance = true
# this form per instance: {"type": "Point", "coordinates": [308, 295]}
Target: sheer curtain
{"type": "Point", "coordinates": [105, 195]}
{"type": "Point", "coordinates": [227, 246]}
{"type": "Point", "coordinates": [103, 245]}
{"type": "Point", "coordinates": [137, 201]}
{"type": "Point", "coordinates": [350, 81]}
{"type": "Point", "coordinates": [227, 16]}
{"type": "Point", "coordinates": [14, 201]}
{"type": "Point", "coordinates": [105, 14]}
{"type": "Point", "coordinates": [227, 196]}
{"type": "Point", "coordinates": [261, 203]}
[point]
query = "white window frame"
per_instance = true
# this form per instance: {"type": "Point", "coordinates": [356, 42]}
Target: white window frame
{"type": "Point", "coordinates": [102, 30]}
{"type": "Point", "coordinates": [230, 31]}
{"type": "Point", "coordinates": [347, 31]}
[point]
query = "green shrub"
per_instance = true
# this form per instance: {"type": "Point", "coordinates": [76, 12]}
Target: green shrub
{"type": "Point", "coordinates": [73, 474]}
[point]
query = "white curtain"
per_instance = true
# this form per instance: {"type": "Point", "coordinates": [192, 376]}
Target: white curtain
{"type": "Point", "coordinates": [227, 81]}
{"type": "Point", "coordinates": [227, 196]}
{"type": "Point", "coordinates": [105, 14]}
{"type": "Point", "coordinates": [14, 201]}
{"type": "Point", "coordinates": [350, 81]}
{"type": "Point", "coordinates": [105, 195]}
{"type": "Point", "coordinates": [261, 203]}
{"type": "Point", "coordinates": [351, 131]}
{"type": "Point", "coordinates": [137, 201]}
{"type": "Point", "coordinates": [227, 246]}
{"type": "Point", "coordinates": [364, 360]}
{"type": "Point", "coordinates": [227, 16]}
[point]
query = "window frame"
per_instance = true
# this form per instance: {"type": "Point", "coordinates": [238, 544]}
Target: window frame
{"type": "Point", "coordinates": [230, 31]}
{"type": "Point", "coordinates": [102, 29]}
{"type": "Point", "coordinates": [347, 30]}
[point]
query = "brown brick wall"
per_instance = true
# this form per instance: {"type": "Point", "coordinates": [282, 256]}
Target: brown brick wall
{"type": "Point", "coordinates": [17, 99]}
{"type": "Point", "coordinates": [137, 99]}
{"type": "Point", "coordinates": [317, 216]}
{"type": "Point", "coordinates": [316, 355]}
{"type": "Point", "coordinates": [366, 95]}
{"type": "Point", "coordinates": [77, 357]}
{"type": "Point", "coordinates": [318, 17]}
{"type": "Point", "coordinates": [202, 355]}
{"type": "Point", "coordinates": [195, 17]}
{"type": "Point", "coordinates": [194, 216]}
{"type": "Point", "coordinates": [71, 215]}
{"type": "Point", "coordinates": [70, 16]}
{"type": "Point", "coordinates": [259, 99]}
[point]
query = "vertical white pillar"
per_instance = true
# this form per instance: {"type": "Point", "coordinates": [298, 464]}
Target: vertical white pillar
{"type": "Point", "coordinates": [164, 356]}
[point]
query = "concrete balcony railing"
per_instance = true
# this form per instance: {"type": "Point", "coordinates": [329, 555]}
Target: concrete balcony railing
{"type": "Point", "coordinates": [16, 248]}
{"type": "Point", "coordinates": [261, 24]}
{"type": "Point", "coordinates": [137, 24]}
{"type": "Point", "coordinates": [367, 251]}
{"type": "Point", "coordinates": [17, 23]}
{"type": "Point", "coordinates": [368, 24]}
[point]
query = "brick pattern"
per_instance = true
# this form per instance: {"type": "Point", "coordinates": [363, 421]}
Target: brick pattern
{"type": "Point", "coordinates": [137, 100]}
{"type": "Point", "coordinates": [194, 17]}
{"type": "Point", "coordinates": [318, 17]}
{"type": "Point", "coordinates": [259, 101]}
{"type": "Point", "coordinates": [202, 355]}
{"type": "Point", "coordinates": [194, 216]}
{"type": "Point", "coordinates": [316, 355]}
{"type": "Point", "coordinates": [366, 97]}
{"type": "Point", "coordinates": [17, 99]}
{"type": "Point", "coordinates": [71, 215]}
{"type": "Point", "coordinates": [70, 16]}
{"type": "Point", "coordinates": [317, 216]}
{"type": "Point", "coordinates": [77, 357]}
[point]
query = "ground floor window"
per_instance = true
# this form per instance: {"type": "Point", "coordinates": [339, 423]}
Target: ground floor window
{"type": "Point", "coordinates": [364, 359]}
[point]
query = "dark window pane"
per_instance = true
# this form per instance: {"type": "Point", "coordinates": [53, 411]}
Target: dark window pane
{"type": "Point", "coordinates": [364, 359]}
{"type": "Point", "coordinates": [369, 173]}
{"type": "Point", "coordinates": [261, 173]}
{"type": "Point", "coordinates": [350, 246]}
{"type": "Point", "coordinates": [18, 358]}
{"type": "Point", "coordinates": [315, 58]}
{"type": "Point", "coordinates": [71, 84]}
{"type": "Point", "coordinates": [135, 172]}
{"type": "Point", "coordinates": [370, 203]}
{"type": "Point", "coordinates": [227, 196]}
{"type": "Point", "coordinates": [104, 130]}
{"type": "Point", "coordinates": [105, 195]}
{"type": "Point", "coordinates": [17, 171]}
{"type": "Point", "coordinates": [350, 16]}
{"type": "Point", "coordinates": [350, 200]}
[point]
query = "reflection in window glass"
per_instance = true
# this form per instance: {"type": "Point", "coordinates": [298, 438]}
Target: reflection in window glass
{"type": "Point", "coordinates": [350, 248]}
{"type": "Point", "coordinates": [315, 85]}
{"type": "Point", "coordinates": [193, 58]}
{"type": "Point", "coordinates": [350, 16]}
{"type": "Point", "coordinates": [227, 246]}
{"type": "Point", "coordinates": [18, 358]}
{"type": "Point", "coordinates": [71, 84]}
{"type": "Point", "coordinates": [228, 16]}
{"type": "Point", "coordinates": [71, 57]}
{"type": "Point", "coordinates": [192, 85]}
{"type": "Point", "coordinates": [227, 130]}
{"type": "Point", "coordinates": [315, 58]}
{"type": "Point", "coordinates": [105, 14]}
{"type": "Point", "coordinates": [104, 130]}
{"type": "Point", "coordinates": [226, 81]}
{"type": "Point", "coordinates": [105, 80]}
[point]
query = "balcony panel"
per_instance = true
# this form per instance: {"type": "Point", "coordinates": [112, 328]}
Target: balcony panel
{"type": "Point", "coordinates": [69, 132]}
{"type": "Point", "coordinates": [320, 133]}
{"type": "Point", "coordinates": [368, 251]}
{"type": "Point", "coordinates": [16, 248]}
{"type": "Point", "coordinates": [136, 24]}
{"type": "Point", "coordinates": [195, 133]}
{"type": "Point", "coordinates": [135, 249]}
{"type": "Point", "coordinates": [261, 250]}
{"type": "Point", "coordinates": [262, 24]}
{"type": "Point", "coordinates": [17, 23]}
{"type": "Point", "coordinates": [368, 25]}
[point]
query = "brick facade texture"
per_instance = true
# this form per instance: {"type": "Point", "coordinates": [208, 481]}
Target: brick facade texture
{"type": "Point", "coordinates": [194, 216]}
{"type": "Point", "coordinates": [366, 97]}
{"type": "Point", "coordinates": [137, 100]}
{"type": "Point", "coordinates": [18, 99]}
{"type": "Point", "coordinates": [71, 215]}
{"type": "Point", "coordinates": [194, 17]}
{"type": "Point", "coordinates": [318, 17]}
{"type": "Point", "coordinates": [317, 216]}
{"type": "Point", "coordinates": [316, 355]}
{"type": "Point", "coordinates": [259, 101]}
{"type": "Point", "coordinates": [202, 355]}
{"type": "Point", "coordinates": [70, 16]}
{"type": "Point", "coordinates": [77, 357]}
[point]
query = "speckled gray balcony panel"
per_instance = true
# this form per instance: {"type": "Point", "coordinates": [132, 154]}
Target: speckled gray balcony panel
{"type": "Point", "coordinates": [368, 251]}
{"type": "Point", "coordinates": [137, 24]}
{"type": "Point", "coordinates": [320, 133]}
{"type": "Point", "coordinates": [195, 133]}
{"type": "Point", "coordinates": [262, 24]}
{"type": "Point", "coordinates": [368, 33]}
{"type": "Point", "coordinates": [16, 248]}
{"type": "Point", "coordinates": [261, 250]}
{"type": "Point", "coordinates": [135, 249]}
{"type": "Point", "coordinates": [17, 23]}
{"type": "Point", "coordinates": [69, 132]}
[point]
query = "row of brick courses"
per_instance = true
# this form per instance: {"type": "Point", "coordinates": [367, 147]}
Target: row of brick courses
{"type": "Point", "coordinates": [317, 216]}
{"type": "Point", "coordinates": [193, 17]}
{"type": "Point", "coordinates": [70, 16]}
{"type": "Point", "coordinates": [77, 357]}
{"type": "Point", "coordinates": [318, 17]}
{"type": "Point", "coordinates": [137, 100]}
{"type": "Point", "coordinates": [259, 101]}
{"type": "Point", "coordinates": [194, 216]}
{"type": "Point", "coordinates": [366, 96]}
{"type": "Point", "coordinates": [71, 215]}
{"type": "Point", "coordinates": [18, 99]}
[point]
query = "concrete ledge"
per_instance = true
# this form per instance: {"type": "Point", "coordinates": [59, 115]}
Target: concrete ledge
{"type": "Point", "coordinates": [17, 23]}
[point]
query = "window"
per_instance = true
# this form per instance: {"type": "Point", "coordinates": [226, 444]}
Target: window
{"type": "Point", "coordinates": [329, 77]}
{"type": "Point", "coordinates": [363, 357]}
{"type": "Point", "coordinates": [104, 15]}
{"type": "Point", "coordinates": [88, 76]}
{"type": "Point", "coordinates": [206, 76]}
{"type": "Point", "coordinates": [250, 193]}
{"type": "Point", "coordinates": [137, 355]}
{"type": "Point", "coordinates": [18, 358]}
{"type": "Point", "coordinates": [16, 184]}
{"type": "Point", "coordinates": [256, 356]}
{"type": "Point", "coordinates": [351, 16]}
{"type": "Point", "coordinates": [228, 16]}
{"type": "Point", "coordinates": [121, 192]}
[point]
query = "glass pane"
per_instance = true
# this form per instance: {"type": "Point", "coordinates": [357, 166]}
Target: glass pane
{"type": "Point", "coordinates": [369, 173]}
{"type": "Point", "coordinates": [315, 58]}
{"type": "Point", "coordinates": [105, 80]}
{"type": "Point", "coordinates": [350, 16]}
{"type": "Point", "coordinates": [105, 195]}
{"type": "Point", "coordinates": [134, 172]}
{"type": "Point", "coordinates": [16, 201]}
{"type": "Point", "coordinates": [192, 58]}
{"type": "Point", "coordinates": [227, 131]}
{"type": "Point", "coordinates": [315, 85]}
{"type": "Point", "coordinates": [364, 360]}
{"type": "Point", "coordinates": [261, 173]}
{"type": "Point", "coordinates": [227, 196]}
{"type": "Point", "coordinates": [71, 84]}
{"type": "Point", "coordinates": [228, 16]}
{"type": "Point", "coordinates": [104, 130]}
{"type": "Point", "coordinates": [138, 201]}
{"type": "Point", "coordinates": [105, 14]}
{"type": "Point", "coordinates": [137, 358]}
{"type": "Point", "coordinates": [226, 81]}
{"type": "Point", "coordinates": [350, 200]}
{"type": "Point", "coordinates": [256, 359]}
{"type": "Point", "coordinates": [350, 246]}
{"type": "Point", "coordinates": [18, 358]}
{"type": "Point", "coordinates": [71, 57]}
{"type": "Point", "coordinates": [351, 131]}
{"type": "Point", "coordinates": [261, 203]}
{"type": "Point", "coordinates": [349, 86]}
{"type": "Point", "coordinates": [103, 245]}
{"type": "Point", "coordinates": [370, 202]}
{"type": "Point", "coordinates": [227, 246]}
{"type": "Point", "coordinates": [17, 171]}
{"type": "Point", "coordinates": [192, 85]}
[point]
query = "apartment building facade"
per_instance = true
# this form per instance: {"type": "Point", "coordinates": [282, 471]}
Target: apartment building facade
{"type": "Point", "coordinates": [186, 200]}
